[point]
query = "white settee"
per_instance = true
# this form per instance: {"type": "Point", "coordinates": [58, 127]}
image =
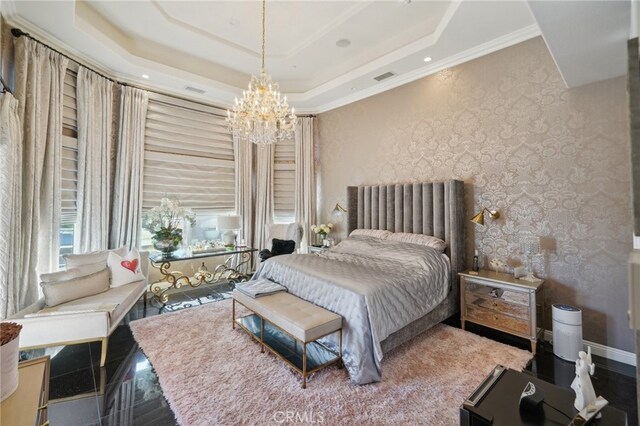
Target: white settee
{"type": "Point", "coordinates": [87, 319]}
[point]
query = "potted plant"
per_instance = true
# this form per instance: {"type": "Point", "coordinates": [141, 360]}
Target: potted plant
{"type": "Point", "coordinates": [165, 222]}
{"type": "Point", "coordinates": [9, 349]}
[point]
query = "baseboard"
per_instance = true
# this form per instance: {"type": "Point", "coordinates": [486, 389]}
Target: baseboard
{"type": "Point", "coordinates": [602, 350]}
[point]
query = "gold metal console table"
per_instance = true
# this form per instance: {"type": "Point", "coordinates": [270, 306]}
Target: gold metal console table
{"type": "Point", "coordinates": [236, 268]}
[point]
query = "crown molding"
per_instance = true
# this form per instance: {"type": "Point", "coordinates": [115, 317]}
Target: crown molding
{"type": "Point", "coordinates": [384, 61]}
{"type": "Point", "coordinates": [491, 46]}
{"type": "Point", "coordinates": [257, 53]}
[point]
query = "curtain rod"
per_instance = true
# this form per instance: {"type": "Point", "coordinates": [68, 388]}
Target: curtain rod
{"type": "Point", "coordinates": [17, 33]}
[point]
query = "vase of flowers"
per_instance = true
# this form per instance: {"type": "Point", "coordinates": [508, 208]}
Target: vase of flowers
{"type": "Point", "coordinates": [165, 222]}
{"type": "Point", "coordinates": [321, 232]}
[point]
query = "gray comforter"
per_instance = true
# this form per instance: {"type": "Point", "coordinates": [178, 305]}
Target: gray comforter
{"type": "Point", "coordinates": [378, 286]}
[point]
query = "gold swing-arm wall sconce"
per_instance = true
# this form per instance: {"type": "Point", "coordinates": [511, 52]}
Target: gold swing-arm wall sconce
{"type": "Point", "coordinates": [339, 209]}
{"type": "Point", "coordinates": [479, 218]}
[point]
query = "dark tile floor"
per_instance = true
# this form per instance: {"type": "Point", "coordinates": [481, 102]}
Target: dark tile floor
{"type": "Point", "coordinates": [126, 391]}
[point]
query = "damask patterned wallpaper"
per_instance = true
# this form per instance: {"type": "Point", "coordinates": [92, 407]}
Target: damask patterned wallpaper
{"type": "Point", "coordinates": [554, 161]}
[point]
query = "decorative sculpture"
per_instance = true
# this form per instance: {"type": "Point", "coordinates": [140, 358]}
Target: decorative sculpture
{"type": "Point", "coordinates": [585, 394]}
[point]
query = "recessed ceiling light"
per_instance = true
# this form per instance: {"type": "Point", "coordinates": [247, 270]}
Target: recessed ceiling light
{"type": "Point", "coordinates": [294, 66]}
{"type": "Point", "coordinates": [343, 42]}
{"type": "Point", "coordinates": [233, 22]}
{"type": "Point", "coordinates": [352, 89]}
{"type": "Point", "coordinates": [427, 59]}
{"type": "Point", "coordinates": [145, 75]}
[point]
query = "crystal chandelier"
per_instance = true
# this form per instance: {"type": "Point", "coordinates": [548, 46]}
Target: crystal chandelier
{"type": "Point", "coordinates": [262, 116]}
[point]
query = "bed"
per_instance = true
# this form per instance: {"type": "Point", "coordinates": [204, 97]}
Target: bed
{"type": "Point", "coordinates": [387, 292]}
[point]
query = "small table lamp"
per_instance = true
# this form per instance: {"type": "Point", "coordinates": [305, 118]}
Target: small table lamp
{"type": "Point", "coordinates": [530, 248]}
{"type": "Point", "coordinates": [229, 224]}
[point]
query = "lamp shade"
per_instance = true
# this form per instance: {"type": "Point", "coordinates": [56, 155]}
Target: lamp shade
{"type": "Point", "coordinates": [229, 222]}
{"type": "Point", "coordinates": [479, 218]}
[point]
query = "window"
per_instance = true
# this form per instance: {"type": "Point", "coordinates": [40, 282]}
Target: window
{"type": "Point", "coordinates": [189, 155]}
{"type": "Point", "coordinates": [69, 184]}
{"type": "Point", "coordinates": [284, 180]}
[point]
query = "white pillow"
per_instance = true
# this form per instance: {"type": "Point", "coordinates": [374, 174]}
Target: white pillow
{"type": "Point", "coordinates": [96, 257]}
{"type": "Point", "coordinates": [72, 273]}
{"type": "Point", "coordinates": [124, 269]}
{"type": "Point", "coordinates": [423, 240]}
{"type": "Point", "coordinates": [376, 233]}
{"type": "Point", "coordinates": [57, 292]}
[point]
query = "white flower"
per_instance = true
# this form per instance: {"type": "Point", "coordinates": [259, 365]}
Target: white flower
{"type": "Point", "coordinates": [168, 215]}
{"type": "Point", "coordinates": [322, 228]}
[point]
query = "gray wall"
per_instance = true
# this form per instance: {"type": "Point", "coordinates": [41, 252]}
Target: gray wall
{"type": "Point", "coordinates": [554, 161]}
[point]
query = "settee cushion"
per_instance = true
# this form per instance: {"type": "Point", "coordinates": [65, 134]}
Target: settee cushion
{"type": "Point", "coordinates": [124, 269]}
{"type": "Point", "coordinates": [96, 257]}
{"type": "Point", "coordinates": [124, 297]}
{"type": "Point", "coordinates": [57, 292]}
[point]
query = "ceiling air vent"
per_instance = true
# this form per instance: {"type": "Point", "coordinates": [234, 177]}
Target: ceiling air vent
{"type": "Point", "coordinates": [194, 89]}
{"type": "Point", "coordinates": [384, 76]}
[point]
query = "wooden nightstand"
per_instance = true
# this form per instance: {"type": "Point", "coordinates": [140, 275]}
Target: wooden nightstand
{"type": "Point", "coordinates": [504, 303]}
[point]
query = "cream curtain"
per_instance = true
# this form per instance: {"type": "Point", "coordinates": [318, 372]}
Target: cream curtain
{"type": "Point", "coordinates": [127, 193]}
{"type": "Point", "coordinates": [39, 79]}
{"type": "Point", "coordinates": [95, 115]}
{"type": "Point", "coordinates": [10, 200]}
{"type": "Point", "coordinates": [244, 188]}
{"type": "Point", "coordinates": [263, 195]}
{"type": "Point", "coordinates": [305, 186]}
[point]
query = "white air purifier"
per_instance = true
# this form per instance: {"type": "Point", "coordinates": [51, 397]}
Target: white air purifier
{"type": "Point", "coordinates": [567, 331]}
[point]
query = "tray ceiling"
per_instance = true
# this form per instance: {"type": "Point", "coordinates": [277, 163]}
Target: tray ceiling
{"type": "Point", "coordinates": [215, 45]}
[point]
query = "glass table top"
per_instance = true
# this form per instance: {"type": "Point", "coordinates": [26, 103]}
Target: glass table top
{"type": "Point", "coordinates": [182, 254]}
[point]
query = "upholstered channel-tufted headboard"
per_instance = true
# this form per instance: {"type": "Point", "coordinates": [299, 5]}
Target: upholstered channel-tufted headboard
{"type": "Point", "coordinates": [432, 208]}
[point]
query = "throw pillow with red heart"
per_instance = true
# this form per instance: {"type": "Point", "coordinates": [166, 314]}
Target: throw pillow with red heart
{"type": "Point", "coordinates": [124, 269]}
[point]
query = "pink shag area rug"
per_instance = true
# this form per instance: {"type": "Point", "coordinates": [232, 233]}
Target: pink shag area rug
{"type": "Point", "coordinates": [213, 375]}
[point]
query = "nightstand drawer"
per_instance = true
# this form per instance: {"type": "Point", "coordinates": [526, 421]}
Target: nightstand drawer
{"type": "Point", "coordinates": [497, 320]}
{"type": "Point", "coordinates": [510, 296]}
{"type": "Point", "coordinates": [499, 304]}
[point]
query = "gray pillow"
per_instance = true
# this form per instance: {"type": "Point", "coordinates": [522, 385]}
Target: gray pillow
{"type": "Point", "coordinates": [420, 239]}
{"type": "Point", "coordinates": [57, 292]}
{"type": "Point", "coordinates": [375, 233]}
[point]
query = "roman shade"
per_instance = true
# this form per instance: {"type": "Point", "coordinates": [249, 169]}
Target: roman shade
{"type": "Point", "coordinates": [284, 180]}
{"type": "Point", "coordinates": [189, 154]}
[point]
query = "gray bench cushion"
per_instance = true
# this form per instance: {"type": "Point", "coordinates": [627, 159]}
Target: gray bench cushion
{"type": "Point", "coordinates": [303, 320]}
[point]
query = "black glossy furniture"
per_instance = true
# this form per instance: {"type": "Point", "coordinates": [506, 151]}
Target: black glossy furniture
{"type": "Point", "coordinates": [496, 402]}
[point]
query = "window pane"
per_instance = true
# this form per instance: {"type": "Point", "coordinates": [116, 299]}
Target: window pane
{"type": "Point", "coordinates": [66, 242]}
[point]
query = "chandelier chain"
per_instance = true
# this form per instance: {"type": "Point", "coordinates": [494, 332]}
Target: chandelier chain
{"type": "Point", "coordinates": [264, 14]}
